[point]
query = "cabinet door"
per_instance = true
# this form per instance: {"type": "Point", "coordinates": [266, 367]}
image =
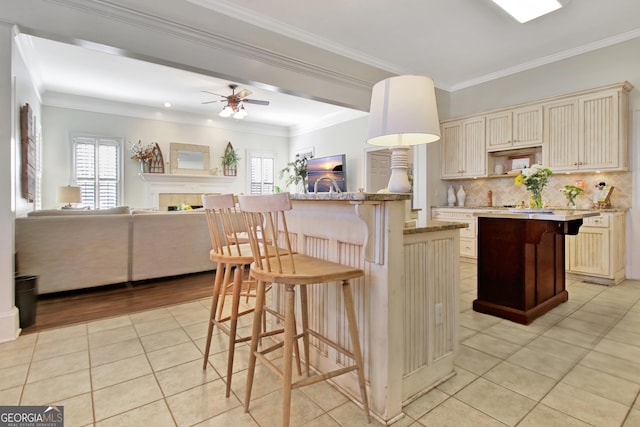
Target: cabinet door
{"type": "Point", "coordinates": [589, 251]}
{"type": "Point", "coordinates": [599, 131]}
{"type": "Point", "coordinates": [474, 151]}
{"type": "Point", "coordinates": [527, 126]}
{"type": "Point", "coordinates": [561, 136]}
{"type": "Point", "coordinates": [498, 131]}
{"type": "Point", "coordinates": [451, 149]}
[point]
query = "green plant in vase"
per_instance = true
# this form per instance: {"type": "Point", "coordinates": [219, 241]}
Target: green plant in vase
{"type": "Point", "coordinates": [297, 170]}
{"type": "Point", "coordinates": [571, 192]}
{"type": "Point", "coordinates": [534, 178]}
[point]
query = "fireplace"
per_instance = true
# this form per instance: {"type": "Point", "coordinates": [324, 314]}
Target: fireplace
{"type": "Point", "coordinates": [163, 190]}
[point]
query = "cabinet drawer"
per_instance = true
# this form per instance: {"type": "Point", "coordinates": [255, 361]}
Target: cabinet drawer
{"type": "Point", "coordinates": [470, 232]}
{"type": "Point", "coordinates": [468, 247]}
{"type": "Point", "coordinates": [596, 221]}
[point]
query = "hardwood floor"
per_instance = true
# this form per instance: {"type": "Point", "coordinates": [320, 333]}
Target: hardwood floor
{"type": "Point", "coordinates": [80, 306]}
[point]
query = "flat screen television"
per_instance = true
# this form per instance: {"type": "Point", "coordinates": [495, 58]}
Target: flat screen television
{"type": "Point", "coordinates": [331, 167]}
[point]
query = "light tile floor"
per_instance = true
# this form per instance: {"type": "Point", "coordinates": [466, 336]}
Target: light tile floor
{"type": "Point", "coordinates": [578, 365]}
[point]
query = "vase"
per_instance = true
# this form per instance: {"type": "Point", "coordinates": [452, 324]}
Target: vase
{"type": "Point", "coordinates": [451, 196]}
{"type": "Point", "coordinates": [144, 166]}
{"type": "Point", "coordinates": [571, 203]}
{"type": "Point", "coordinates": [535, 201]}
{"type": "Point", "coordinates": [461, 196]}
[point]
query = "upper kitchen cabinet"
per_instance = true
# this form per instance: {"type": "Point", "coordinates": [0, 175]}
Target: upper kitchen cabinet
{"type": "Point", "coordinates": [517, 128]}
{"type": "Point", "coordinates": [588, 132]}
{"type": "Point", "coordinates": [463, 148]}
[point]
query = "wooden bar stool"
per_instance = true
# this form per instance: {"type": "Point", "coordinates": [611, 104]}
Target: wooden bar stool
{"type": "Point", "coordinates": [232, 252]}
{"type": "Point", "coordinates": [293, 270]}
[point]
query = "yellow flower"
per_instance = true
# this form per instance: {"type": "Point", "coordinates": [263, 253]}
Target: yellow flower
{"type": "Point", "coordinates": [519, 179]}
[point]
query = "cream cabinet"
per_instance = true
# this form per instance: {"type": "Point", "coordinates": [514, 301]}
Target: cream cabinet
{"type": "Point", "coordinates": [463, 148]}
{"type": "Point", "coordinates": [517, 128]}
{"type": "Point", "coordinates": [468, 236]}
{"type": "Point", "coordinates": [597, 252]}
{"type": "Point", "coordinates": [587, 133]}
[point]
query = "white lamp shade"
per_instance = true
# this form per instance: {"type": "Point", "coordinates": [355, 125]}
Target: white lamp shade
{"type": "Point", "coordinates": [403, 112]}
{"type": "Point", "coordinates": [69, 194]}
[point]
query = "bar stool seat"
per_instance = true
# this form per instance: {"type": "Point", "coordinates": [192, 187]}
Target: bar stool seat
{"type": "Point", "coordinates": [295, 272]}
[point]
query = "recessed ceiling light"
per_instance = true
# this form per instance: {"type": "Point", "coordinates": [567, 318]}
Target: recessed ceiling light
{"type": "Point", "coordinates": [526, 10]}
{"type": "Point", "coordinates": [167, 104]}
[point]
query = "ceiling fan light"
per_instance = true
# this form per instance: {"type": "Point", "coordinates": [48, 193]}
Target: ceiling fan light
{"type": "Point", "coordinates": [241, 113]}
{"type": "Point", "coordinates": [227, 111]}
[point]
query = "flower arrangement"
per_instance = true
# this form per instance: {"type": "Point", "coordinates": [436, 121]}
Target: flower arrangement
{"type": "Point", "coordinates": [570, 192]}
{"type": "Point", "coordinates": [141, 153]}
{"type": "Point", "coordinates": [297, 171]}
{"type": "Point", "coordinates": [534, 178]}
{"type": "Point", "coordinates": [184, 207]}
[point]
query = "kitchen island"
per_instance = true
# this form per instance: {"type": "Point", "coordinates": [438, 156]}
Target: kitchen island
{"type": "Point", "coordinates": [521, 262]}
{"type": "Point", "coordinates": [406, 304]}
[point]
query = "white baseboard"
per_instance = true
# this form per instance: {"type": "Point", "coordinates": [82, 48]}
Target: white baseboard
{"type": "Point", "coordinates": [9, 325]}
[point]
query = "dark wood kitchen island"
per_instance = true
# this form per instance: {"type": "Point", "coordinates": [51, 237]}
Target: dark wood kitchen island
{"type": "Point", "coordinates": [521, 257]}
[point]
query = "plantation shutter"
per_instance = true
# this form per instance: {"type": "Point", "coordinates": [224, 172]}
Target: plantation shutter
{"type": "Point", "coordinates": [262, 173]}
{"type": "Point", "coordinates": [97, 170]}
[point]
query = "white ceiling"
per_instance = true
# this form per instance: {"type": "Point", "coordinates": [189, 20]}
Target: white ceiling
{"type": "Point", "coordinates": [458, 43]}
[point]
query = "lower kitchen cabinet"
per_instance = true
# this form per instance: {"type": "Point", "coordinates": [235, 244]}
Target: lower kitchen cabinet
{"type": "Point", "coordinates": [597, 253]}
{"type": "Point", "coordinates": [468, 236]}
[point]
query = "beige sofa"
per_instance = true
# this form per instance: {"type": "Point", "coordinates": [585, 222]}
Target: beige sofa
{"type": "Point", "coordinates": [82, 249]}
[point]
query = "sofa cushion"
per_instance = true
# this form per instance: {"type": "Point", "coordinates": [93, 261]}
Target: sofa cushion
{"type": "Point", "coordinates": [59, 212]}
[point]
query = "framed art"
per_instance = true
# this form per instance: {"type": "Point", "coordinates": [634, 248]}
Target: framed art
{"type": "Point", "coordinates": [28, 154]}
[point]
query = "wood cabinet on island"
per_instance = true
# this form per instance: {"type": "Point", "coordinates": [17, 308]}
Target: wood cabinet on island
{"type": "Point", "coordinates": [406, 304]}
{"type": "Point", "coordinates": [521, 273]}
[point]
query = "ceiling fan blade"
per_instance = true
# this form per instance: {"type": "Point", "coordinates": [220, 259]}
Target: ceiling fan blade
{"type": "Point", "coordinates": [213, 93]}
{"type": "Point", "coordinates": [212, 102]}
{"type": "Point", "coordinates": [255, 101]}
{"type": "Point", "coordinates": [243, 93]}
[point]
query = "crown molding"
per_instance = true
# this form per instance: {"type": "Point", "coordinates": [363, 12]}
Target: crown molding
{"type": "Point", "coordinates": [116, 12]}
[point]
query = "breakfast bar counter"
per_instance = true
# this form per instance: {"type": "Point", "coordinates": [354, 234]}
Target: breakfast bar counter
{"type": "Point", "coordinates": [406, 304]}
{"type": "Point", "coordinates": [521, 261]}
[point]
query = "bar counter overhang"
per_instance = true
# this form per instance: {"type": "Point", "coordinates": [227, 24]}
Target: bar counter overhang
{"type": "Point", "coordinates": [521, 262]}
{"type": "Point", "coordinates": [406, 304]}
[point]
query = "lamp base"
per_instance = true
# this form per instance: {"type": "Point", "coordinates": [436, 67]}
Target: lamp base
{"type": "Point", "coordinates": [399, 180]}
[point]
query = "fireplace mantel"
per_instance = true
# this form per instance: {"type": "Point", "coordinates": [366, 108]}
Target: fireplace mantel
{"type": "Point", "coordinates": [159, 183]}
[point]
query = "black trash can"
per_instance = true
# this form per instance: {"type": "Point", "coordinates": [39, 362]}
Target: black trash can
{"type": "Point", "coordinates": [26, 297]}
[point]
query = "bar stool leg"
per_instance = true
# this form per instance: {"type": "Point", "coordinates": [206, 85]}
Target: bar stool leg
{"type": "Point", "coordinates": [233, 325]}
{"type": "Point", "coordinates": [355, 343]}
{"type": "Point", "coordinates": [255, 337]}
{"type": "Point", "coordinates": [289, 332]}
{"type": "Point", "coordinates": [217, 285]}
{"type": "Point", "coordinates": [223, 289]}
{"type": "Point", "coordinates": [305, 328]}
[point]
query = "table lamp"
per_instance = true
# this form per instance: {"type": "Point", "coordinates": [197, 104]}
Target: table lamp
{"type": "Point", "coordinates": [68, 194]}
{"type": "Point", "coordinates": [403, 113]}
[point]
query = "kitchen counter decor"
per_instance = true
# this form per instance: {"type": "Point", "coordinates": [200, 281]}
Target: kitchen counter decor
{"type": "Point", "coordinates": [534, 178]}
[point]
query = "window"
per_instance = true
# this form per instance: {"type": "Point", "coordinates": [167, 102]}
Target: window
{"type": "Point", "coordinates": [262, 173]}
{"type": "Point", "coordinates": [97, 170]}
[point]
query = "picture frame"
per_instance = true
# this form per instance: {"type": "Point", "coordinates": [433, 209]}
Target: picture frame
{"type": "Point", "coordinates": [28, 153]}
{"type": "Point", "coordinates": [521, 162]}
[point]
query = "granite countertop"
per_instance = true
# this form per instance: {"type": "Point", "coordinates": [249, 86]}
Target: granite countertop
{"type": "Point", "coordinates": [435, 226]}
{"type": "Point", "coordinates": [553, 215]}
{"type": "Point", "coordinates": [559, 208]}
{"type": "Point", "coordinates": [351, 197]}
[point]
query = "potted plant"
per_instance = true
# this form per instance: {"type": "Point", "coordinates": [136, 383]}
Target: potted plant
{"type": "Point", "coordinates": [230, 161]}
{"type": "Point", "coordinates": [297, 170]}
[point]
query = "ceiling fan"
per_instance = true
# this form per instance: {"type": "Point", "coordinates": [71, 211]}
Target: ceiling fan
{"type": "Point", "coordinates": [235, 102]}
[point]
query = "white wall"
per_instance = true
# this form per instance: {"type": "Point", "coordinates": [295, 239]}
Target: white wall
{"type": "Point", "coordinates": [60, 123]}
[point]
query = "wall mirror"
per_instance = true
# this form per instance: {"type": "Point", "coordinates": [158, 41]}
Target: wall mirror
{"type": "Point", "coordinates": [190, 159]}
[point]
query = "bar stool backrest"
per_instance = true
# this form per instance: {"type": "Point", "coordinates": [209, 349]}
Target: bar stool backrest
{"type": "Point", "coordinates": [267, 212]}
{"type": "Point", "coordinates": [226, 227]}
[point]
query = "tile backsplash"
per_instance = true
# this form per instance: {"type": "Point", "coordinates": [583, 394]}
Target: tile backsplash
{"type": "Point", "coordinates": [505, 192]}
